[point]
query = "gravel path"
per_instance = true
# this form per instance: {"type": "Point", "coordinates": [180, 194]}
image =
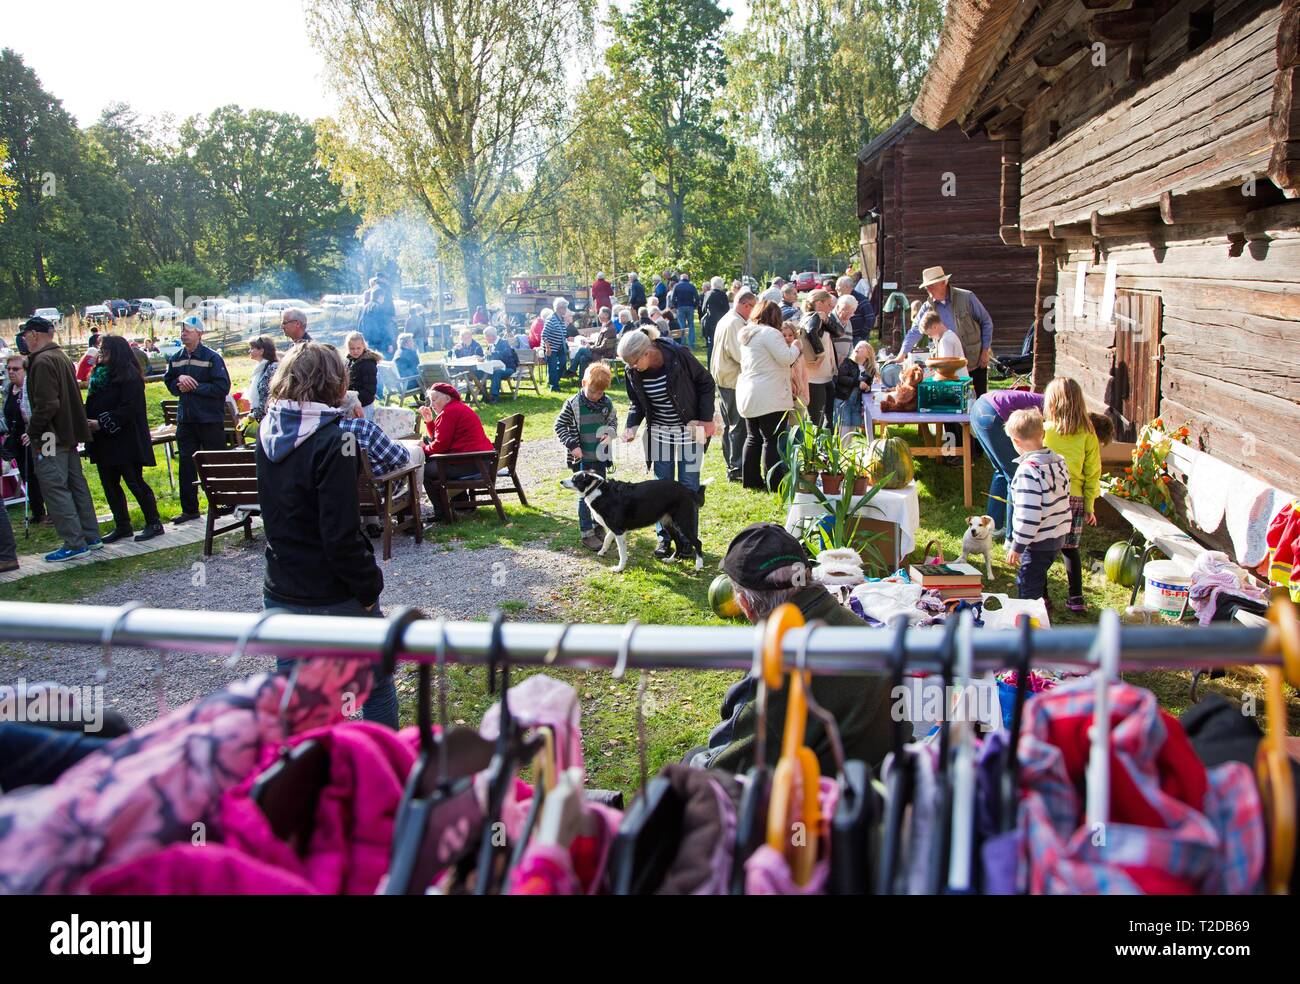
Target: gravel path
{"type": "Point", "coordinates": [458, 583]}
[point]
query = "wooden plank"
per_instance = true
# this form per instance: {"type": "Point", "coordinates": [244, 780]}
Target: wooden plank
{"type": "Point", "coordinates": [1157, 530]}
{"type": "Point", "coordinates": [1216, 205]}
{"type": "Point", "coordinates": [1271, 457]}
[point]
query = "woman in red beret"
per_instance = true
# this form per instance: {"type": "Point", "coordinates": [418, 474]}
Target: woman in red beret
{"type": "Point", "coordinates": [454, 428]}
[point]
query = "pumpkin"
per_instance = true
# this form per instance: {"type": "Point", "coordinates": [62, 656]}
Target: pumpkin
{"type": "Point", "coordinates": [1123, 564]}
{"type": "Point", "coordinates": [890, 454]}
{"type": "Point", "coordinates": [722, 598]}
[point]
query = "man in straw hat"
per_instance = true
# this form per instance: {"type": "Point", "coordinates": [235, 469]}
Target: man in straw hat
{"type": "Point", "coordinates": [963, 314]}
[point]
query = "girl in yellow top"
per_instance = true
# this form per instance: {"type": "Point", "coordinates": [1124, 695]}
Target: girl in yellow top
{"type": "Point", "coordinates": [1077, 436]}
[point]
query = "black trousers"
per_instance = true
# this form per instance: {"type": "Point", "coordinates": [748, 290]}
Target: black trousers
{"type": "Point", "coordinates": [821, 403]}
{"type": "Point", "coordinates": [189, 439]}
{"type": "Point", "coordinates": [112, 477]}
{"type": "Point", "coordinates": [762, 450]}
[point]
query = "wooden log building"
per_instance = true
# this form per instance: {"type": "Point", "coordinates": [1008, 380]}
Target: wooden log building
{"type": "Point", "coordinates": [1152, 153]}
{"type": "Point", "coordinates": [932, 199]}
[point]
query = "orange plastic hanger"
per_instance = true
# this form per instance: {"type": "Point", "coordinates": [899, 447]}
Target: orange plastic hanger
{"type": "Point", "coordinates": [798, 844]}
{"type": "Point", "coordinates": [1272, 768]}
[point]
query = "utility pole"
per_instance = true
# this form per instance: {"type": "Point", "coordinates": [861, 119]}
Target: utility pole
{"type": "Point", "coordinates": [749, 250]}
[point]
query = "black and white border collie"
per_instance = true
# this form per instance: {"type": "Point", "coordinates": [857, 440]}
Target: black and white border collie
{"type": "Point", "coordinates": [624, 506]}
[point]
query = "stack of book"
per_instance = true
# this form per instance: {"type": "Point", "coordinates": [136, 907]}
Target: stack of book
{"type": "Point", "coordinates": [949, 580]}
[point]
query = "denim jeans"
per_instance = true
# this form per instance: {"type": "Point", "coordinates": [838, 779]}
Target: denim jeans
{"type": "Point", "coordinates": [555, 369]}
{"type": "Point", "coordinates": [581, 359]}
{"type": "Point", "coordinates": [1031, 578]}
{"type": "Point", "coordinates": [585, 521]}
{"type": "Point", "coordinates": [686, 322]}
{"type": "Point", "coordinates": [381, 706]}
{"type": "Point", "coordinates": [990, 432]}
{"type": "Point", "coordinates": [31, 755]}
{"type": "Point", "coordinates": [497, 376]}
{"type": "Point", "coordinates": [681, 463]}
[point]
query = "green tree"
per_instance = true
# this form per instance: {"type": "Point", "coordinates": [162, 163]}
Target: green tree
{"type": "Point", "coordinates": [668, 65]}
{"type": "Point", "coordinates": [811, 82]}
{"type": "Point", "coordinates": [453, 107]}
{"type": "Point", "coordinates": [269, 215]}
{"type": "Point", "coordinates": [8, 186]}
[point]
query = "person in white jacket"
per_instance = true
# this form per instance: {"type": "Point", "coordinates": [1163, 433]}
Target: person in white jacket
{"type": "Point", "coordinates": [763, 393]}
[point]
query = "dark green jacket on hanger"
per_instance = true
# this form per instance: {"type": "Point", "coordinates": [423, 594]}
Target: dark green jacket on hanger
{"type": "Point", "coordinates": [861, 705]}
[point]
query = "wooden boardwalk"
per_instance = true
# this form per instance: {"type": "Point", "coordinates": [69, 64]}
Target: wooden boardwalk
{"type": "Point", "coordinates": [34, 565]}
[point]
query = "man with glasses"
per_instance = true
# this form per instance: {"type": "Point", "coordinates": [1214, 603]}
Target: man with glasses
{"type": "Point", "coordinates": [293, 323]}
{"type": "Point", "coordinates": [198, 376]}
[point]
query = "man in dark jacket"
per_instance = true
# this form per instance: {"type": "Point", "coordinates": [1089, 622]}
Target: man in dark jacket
{"type": "Point", "coordinates": [686, 300]}
{"type": "Point", "coordinates": [712, 308]}
{"type": "Point", "coordinates": [635, 293]}
{"type": "Point", "coordinates": [768, 568]}
{"type": "Point", "coordinates": [673, 394]}
{"type": "Point", "coordinates": [318, 562]}
{"type": "Point", "coordinates": [198, 376]}
{"type": "Point", "coordinates": [57, 426]}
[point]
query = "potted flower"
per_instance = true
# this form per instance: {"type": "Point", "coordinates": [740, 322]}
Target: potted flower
{"type": "Point", "coordinates": [801, 455]}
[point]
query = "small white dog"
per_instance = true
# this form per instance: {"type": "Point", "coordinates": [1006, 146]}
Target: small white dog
{"type": "Point", "coordinates": [978, 539]}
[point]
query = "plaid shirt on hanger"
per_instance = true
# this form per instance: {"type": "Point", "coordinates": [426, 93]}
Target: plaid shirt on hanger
{"type": "Point", "coordinates": [1175, 827]}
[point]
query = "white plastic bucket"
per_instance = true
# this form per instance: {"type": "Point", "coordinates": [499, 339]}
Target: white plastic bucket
{"type": "Point", "coordinates": [1167, 587]}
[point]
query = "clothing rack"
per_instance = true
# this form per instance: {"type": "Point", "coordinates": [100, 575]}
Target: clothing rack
{"type": "Point", "coordinates": [832, 650]}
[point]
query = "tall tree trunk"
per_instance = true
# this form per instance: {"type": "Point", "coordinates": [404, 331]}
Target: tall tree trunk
{"type": "Point", "coordinates": [471, 251]}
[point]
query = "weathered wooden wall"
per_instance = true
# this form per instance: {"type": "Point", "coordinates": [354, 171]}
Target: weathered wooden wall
{"type": "Point", "coordinates": [1230, 340]}
{"type": "Point", "coordinates": [922, 227]}
{"type": "Point", "coordinates": [1195, 121]}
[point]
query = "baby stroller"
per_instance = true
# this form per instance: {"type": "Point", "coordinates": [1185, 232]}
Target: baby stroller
{"type": "Point", "coordinates": [1017, 368]}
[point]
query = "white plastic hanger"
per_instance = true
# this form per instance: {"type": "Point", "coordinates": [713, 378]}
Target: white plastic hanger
{"type": "Point", "coordinates": [1105, 651]}
{"type": "Point", "coordinates": [963, 765]}
{"type": "Point", "coordinates": [564, 812]}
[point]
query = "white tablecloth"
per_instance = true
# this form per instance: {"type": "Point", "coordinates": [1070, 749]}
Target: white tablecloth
{"type": "Point", "coordinates": [902, 507]}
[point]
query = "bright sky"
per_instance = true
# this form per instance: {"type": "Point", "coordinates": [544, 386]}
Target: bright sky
{"type": "Point", "coordinates": [175, 56]}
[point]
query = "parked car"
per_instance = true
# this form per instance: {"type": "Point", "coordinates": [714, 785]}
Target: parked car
{"type": "Point", "coordinates": [122, 308]}
{"type": "Point", "coordinates": [275, 308]}
{"type": "Point", "coordinates": [97, 314]}
{"type": "Point", "coordinates": [50, 314]}
{"type": "Point", "coordinates": [828, 281]}
{"type": "Point", "coordinates": [249, 314]}
{"type": "Point", "coordinates": [808, 280]}
{"type": "Point", "coordinates": [208, 307]}
{"type": "Point", "coordinates": [157, 309]}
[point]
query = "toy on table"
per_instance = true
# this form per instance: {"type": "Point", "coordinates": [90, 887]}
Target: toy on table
{"type": "Point", "coordinates": [902, 399]}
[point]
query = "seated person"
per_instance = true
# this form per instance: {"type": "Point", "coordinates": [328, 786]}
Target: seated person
{"type": "Point", "coordinates": [467, 347]}
{"type": "Point", "coordinates": [454, 428]}
{"type": "Point", "coordinates": [407, 360]}
{"type": "Point", "coordinates": [625, 320]}
{"type": "Point", "coordinates": [500, 350]}
{"type": "Point", "coordinates": [384, 453]}
{"type": "Point", "coordinates": [768, 567]}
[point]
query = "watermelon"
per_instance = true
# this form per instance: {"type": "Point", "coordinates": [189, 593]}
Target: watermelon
{"type": "Point", "coordinates": [1123, 563]}
{"type": "Point", "coordinates": [890, 454]}
{"type": "Point", "coordinates": [722, 598]}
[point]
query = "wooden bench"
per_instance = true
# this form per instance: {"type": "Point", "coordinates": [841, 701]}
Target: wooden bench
{"type": "Point", "coordinates": [229, 482]}
{"type": "Point", "coordinates": [1157, 533]}
{"type": "Point", "coordinates": [393, 498]}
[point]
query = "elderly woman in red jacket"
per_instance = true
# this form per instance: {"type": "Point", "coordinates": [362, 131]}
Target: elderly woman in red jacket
{"type": "Point", "coordinates": [454, 428]}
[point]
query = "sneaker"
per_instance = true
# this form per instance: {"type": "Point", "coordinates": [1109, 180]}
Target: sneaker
{"type": "Point", "coordinates": [184, 517]}
{"type": "Point", "coordinates": [1076, 603]}
{"type": "Point", "coordinates": [119, 533]}
{"type": "Point", "coordinates": [665, 550]}
{"type": "Point", "coordinates": [63, 553]}
{"type": "Point", "coordinates": [96, 544]}
{"type": "Point", "coordinates": [149, 532]}
{"type": "Point", "coordinates": [592, 541]}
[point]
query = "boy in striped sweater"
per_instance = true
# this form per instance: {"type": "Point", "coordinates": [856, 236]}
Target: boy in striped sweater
{"type": "Point", "coordinates": [586, 426]}
{"type": "Point", "coordinates": [1040, 504]}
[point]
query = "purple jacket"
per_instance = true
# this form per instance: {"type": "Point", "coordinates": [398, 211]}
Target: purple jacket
{"type": "Point", "coordinates": [1008, 401]}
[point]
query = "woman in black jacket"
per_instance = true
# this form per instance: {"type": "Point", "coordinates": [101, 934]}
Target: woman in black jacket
{"type": "Point", "coordinates": [363, 371]}
{"type": "Point", "coordinates": [121, 448]}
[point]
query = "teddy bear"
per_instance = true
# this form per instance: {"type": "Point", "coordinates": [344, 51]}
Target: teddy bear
{"type": "Point", "coordinates": [902, 398]}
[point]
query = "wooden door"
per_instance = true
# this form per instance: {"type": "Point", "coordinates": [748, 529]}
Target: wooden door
{"type": "Point", "coordinates": [1135, 391]}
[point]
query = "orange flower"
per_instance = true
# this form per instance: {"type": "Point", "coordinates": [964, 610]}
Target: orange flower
{"type": "Point", "coordinates": [1165, 479]}
{"type": "Point", "coordinates": [1128, 471]}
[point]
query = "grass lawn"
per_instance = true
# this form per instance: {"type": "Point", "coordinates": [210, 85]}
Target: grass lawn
{"type": "Point", "coordinates": [681, 707]}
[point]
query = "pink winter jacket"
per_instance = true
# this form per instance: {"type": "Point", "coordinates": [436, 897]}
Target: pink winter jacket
{"type": "Point", "coordinates": [163, 784]}
{"type": "Point", "coordinates": [349, 846]}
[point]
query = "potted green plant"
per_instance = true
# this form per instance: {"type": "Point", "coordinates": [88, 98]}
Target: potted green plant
{"type": "Point", "coordinates": [801, 454]}
{"type": "Point", "coordinates": [833, 461]}
{"type": "Point", "coordinates": [841, 527]}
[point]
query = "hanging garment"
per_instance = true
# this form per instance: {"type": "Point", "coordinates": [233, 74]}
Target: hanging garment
{"type": "Point", "coordinates": [767, 872]}
{"type": "Point", "coordinates": [920, 820]}
{"type": "Point", "coordinates": [1284, 550]}
{"type": "Point", "coordinates": [542, 701]}
{"type": "Point", "coordinates": [1174, 827]}
{"type": "Point", "coordinates": [162, 784]}
{"type": "Point", "coordinates": [352, 834]}
{"type": "Point", "coordinates": [1000, 851]}
{"type": "Point", "coordinates": [579, 869]}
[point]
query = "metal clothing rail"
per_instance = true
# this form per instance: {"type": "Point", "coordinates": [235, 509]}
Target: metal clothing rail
{"type": "Point", "coordinates": [832, 650]}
